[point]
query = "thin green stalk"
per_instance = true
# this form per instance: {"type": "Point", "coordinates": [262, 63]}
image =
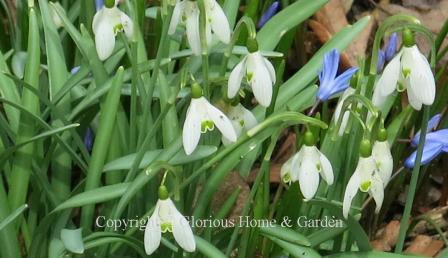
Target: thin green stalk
{"type": "Point", "coordinates": [204, 47]}
{"type": "Point", "coordinates": [163, 44]}
{"type": "Point", "coordinates": [404, 224]}
{"type": "Point", "coordinates": [10, 244]}
{"type": "Point", "coordinates": [22, 162]}
{"type": "Point", "coordinates": [102, 143]}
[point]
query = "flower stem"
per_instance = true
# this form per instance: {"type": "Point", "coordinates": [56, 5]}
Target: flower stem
{"type": "Point", "coordinates": [204, 50]}
{"type": "Point", "coordinates": [404, 225]}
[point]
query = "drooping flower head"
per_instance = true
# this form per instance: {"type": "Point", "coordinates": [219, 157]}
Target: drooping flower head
{"type": "Point", "coordinates": [432, 124]}
{"type": "Point", "coordinates": [269, 13]}
{"type": "Point", "coordinates": [408, 70]}
{"type": "Point", "coordinates": [166, 218]}
{"type": "Point", "coordinates": [337, 113]}
{"type": "Point", "coordinates": [383, 157]}
{"type": "Point", "coordinates": [435, 143]}
{"type": "Point", "coordinates": [259, 73]}
{"type": "Point", "coordinates": [107, 22]}
{"type": "Point", "coordinates": [306, 166]}
{"type": "Point", "coordinates": [331, 84]}
{"type": "Point", "coordinates": [187, 12]}
{"type": "Point", "coordinates": [242, 120]}
{"type": "Point", "coordinates": [366, 178]}
{"type": "Point", "coordinates": [202, 117]}
{"type": "Point", "coordinates": [89, 139]}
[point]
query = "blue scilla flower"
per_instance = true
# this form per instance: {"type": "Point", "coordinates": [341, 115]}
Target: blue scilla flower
{"type": "Point", "coordinates": [432, 124]}
{"type": "Point", "coordinates": [88, 139]}
{"type": "Point", "coordinates": [99, 4]}
{"type": "Point", "coordinates": [75, 70]}
{"type": "Point", "coordinates": [388, 52]}
{"type": "Point", "coordinates": [436, 143]}
{"type": "Point", "coordinates": [270, 12]}
{"type": "Point", "coordinates": [331, 84]}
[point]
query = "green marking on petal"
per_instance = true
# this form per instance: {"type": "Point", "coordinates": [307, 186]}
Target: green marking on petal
{"type": "Point", "coordinates": [166, 227]}
{"type": "Point", "coordinates": [365, 186]}
{"type": "Point", "coordinates": [286, 178]}
{"type": "Point", "coordinates": [117, 28]}
{"type": "Point", "coordinates": [249, 76]}
{"type": "Point", "coordinates": [318, 166]}
{"type": "Point", "coordinates": [406, 72]}
{"type": "Point", "coordinates": [401, 87]}
{"type": "Point", "coordinates": [378, 164]}
{"type": "Point", "coordinates": [242, 123]}
{"type": "Point", "coordinates": [207, 125]}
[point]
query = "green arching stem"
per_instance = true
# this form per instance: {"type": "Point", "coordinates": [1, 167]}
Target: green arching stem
{"type": "Point", "coordinates": [404, 224]}
{"type": "Point", "coordinates": [389, 22]}
{"type": "Point", "coordinates": [250, 26]}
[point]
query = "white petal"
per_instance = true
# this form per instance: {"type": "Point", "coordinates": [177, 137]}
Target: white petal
{"type": "Point", "coordinates": [350, 192]}
{"type": "Point", "coordinates": [177, 14]}
{"type": "Point", "coordinates": [192, 26]}
{"type": "Point", "coordinates": [270, 68]}
{"type": "Point", "coordinates": [377, 191]}
{"type": "Point", "coordinates": [249, 119]}
{"type": "Point", "coordinates": [326, 170]}
{"type": "Point", "coordinates": [285, 171]}
{"type": "Point", "coordinates": [296, 165]}
{"type": "Point", "coordinates": [153, 233]}
{"type": "Point", "coordinates": [97, 18]}
{"type": "Point", "coordinates": [261, 81]}
{"type": "Point", "coordinates": [388, 80]}
{"type": "Point", "coordinates": [377, 99]}
{"type": "Point", "coordinates": [128, 25]}
{"type": "Point", "coordinates": [308, 172]}
{"type": "Point", "coordinates": [384, 160]}
{"type": "Point", "coordinates": [104, 40]}
{"type": "Point", "coordinates": [182, 232]}
{"type": "Point", "coordinates": [421, 79]}
{"type": "Point", "coordinates": [349, 91]}
{"type": "Point", "coordinates": [218, 21]}
{"type": "Point", "coordinates": [222, 122]}
{"type": "Point", "coordinates": [192, 128]}
{"type": "Point", "coordinates": [413, 96]}
{"type": "Point", "coordinates": [235, 78]}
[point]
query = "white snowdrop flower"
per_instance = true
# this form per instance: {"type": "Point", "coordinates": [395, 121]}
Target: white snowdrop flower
{"type": "Point", "coordinates": [383, 157]}
{"type": "Point", "coordinates": [410, 70]}
{"type": "Point", "coordinates": [348, 92]}
{"type": "Point", "coordinates": [259, 73]}
{"type": "Point", "coordinates": [306, 167]}
{"type": "Point", "coordinates": [366, 178]}
{"type": "Point", "coordinates": [166, 218]}
{"type": "Point", "coordinates": [202, 117]}
{"type": "Point", "coordinates": [187, 12]}
{"type": "Point", "coordinates": [107, 22]}
{"type": "Point", "coordinates": [242, 120]}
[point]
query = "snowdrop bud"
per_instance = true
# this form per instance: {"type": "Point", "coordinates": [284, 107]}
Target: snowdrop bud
{"type": "Point", "coordinates": [391, 47]}
{"type": "Point", "coordinates": [252, 45]}
{"type": "Point", "coordinates": [365, 149]}
{"type": "Point", "coordinates": [408, 38]}
{"type": "Point", "coordinates": [163, 193]}
{"type": "Point", "coordinates": [196, 91]}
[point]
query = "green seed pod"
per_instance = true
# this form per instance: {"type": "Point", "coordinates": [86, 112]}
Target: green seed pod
{"type": "Point", "coordinates": [163, 193]}
{"type": "Point", "coordinates": [252, 45]}
{"type": "Point", "coordinates": [196, 91]}
{"type": "Point", "coordinates": [109, 3]}
{"type": "Point", "coordinates": [382, 135]}
{"type": "Point", "coordinates": [309, 139]}
{"type": "Point", "coordinates": [365, 149]}
{"type": "Point", "coordinates": [408, 38]}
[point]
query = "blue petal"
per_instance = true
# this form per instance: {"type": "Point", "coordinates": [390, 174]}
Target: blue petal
{"type": "Point", "coordinates": [75, 69]}
{"type": "Point", "coordinates": [391, 47]}
{"type": "Point", "coordinates": [328, 74]}
{"type": "Point", "coordinates": [430, 151]}
{"type": "Point", "coordinates": [99, 4]}
{"type": "Point", "coordinates": [432, 124]}
{"type": "Point", "coordinates": [88, 139]}
{"type": "Point", "coordinates": [270, 12]}
{"type": "Point", "coordinates": [343, 80]}
{"type": "Point", "coordinates": [381, 61]}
